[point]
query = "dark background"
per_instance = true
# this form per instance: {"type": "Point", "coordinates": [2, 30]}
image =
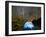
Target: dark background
{"type": "Point", "coordinates": [28, 11]}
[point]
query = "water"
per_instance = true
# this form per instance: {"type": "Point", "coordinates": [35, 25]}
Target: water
{"type": "Point", "coordinates": [28, 26]}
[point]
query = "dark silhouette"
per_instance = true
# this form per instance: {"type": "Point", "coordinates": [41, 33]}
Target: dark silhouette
{"type": "Point", "coordinates": [37, 24]}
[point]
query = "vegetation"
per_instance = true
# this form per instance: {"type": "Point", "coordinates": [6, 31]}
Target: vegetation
{"type": "Point", "coordinates": [18, 22]}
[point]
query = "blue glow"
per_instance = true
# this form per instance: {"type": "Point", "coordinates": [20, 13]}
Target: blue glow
{"type": "Point", "coordinates": [28, 25]}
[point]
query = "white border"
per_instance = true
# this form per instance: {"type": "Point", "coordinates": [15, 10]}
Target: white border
{"type": "Point", "coordinates": [24, 32]}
